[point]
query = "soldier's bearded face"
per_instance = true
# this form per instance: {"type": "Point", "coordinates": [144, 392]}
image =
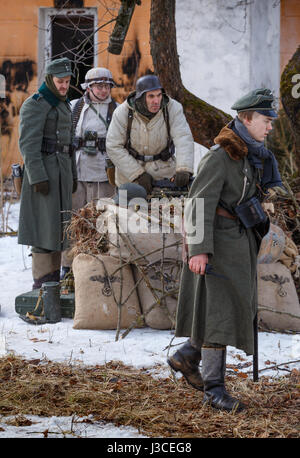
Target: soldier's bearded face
{"type": "Point", "coordinates": [62, 84]}
{"type": "Point", "coordinates": [153, 100]}
{"type": "Point", "coordinates": [259, 126]}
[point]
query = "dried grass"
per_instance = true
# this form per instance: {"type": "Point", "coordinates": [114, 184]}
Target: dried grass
{"type": "Point", "coordinates": [156, 407]}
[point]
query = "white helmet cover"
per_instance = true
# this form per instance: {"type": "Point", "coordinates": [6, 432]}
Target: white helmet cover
{"type": "Point", "coordinates": [98, 75]}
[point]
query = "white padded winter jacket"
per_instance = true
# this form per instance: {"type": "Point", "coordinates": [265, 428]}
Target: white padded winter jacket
{"type": "Point", "coordinates": [149, 137]}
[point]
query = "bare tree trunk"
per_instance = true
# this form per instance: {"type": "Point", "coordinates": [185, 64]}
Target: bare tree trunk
{"type": "Point", "coordinates": [205, 120]}
{"type": "Point", "coordinates": [291, 101]}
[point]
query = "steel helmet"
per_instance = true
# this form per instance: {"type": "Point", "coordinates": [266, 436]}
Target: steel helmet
{"type": "Point", "coordinates": [98, 75]}
{"type": "Point", "coordinates": [147, 83]}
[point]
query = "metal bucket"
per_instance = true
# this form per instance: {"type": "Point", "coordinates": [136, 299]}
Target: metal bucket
{"type": "Point", "coordinates": [51, 301]}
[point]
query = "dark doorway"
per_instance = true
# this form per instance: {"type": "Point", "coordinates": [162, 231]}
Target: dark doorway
{"type": "Point", "coordinates": [73, 37]}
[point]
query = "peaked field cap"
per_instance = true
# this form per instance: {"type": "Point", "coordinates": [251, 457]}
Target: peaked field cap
{"type": "Point", "coordinates": [98, 75]}
{"type": "Point", "coordinates": [261, 100]}
{"type": "Point", "coordinates": [59, 67]}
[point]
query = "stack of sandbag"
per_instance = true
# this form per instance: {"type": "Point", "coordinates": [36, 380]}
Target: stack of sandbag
{"type": "Point", "coordinates": [105, 296]}
{"type": "Point", "coordinates": [278, 302]}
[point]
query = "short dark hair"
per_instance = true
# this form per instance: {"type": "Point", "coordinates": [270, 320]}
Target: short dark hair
{"type": "Point", "coordinates": [245, 115]}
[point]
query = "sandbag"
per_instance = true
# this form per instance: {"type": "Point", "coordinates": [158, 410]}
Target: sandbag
{"type": "Point", "coordinates": [97, 293]}
{"type": "Point", "coordinates": [272, 245]}
{"type": "Point", "coordinates": [290, 256]}
{"type": "Point", "coordinates": [162, 279]}
{"type": "Point", "coordinates": [277, 292]}
{"type": "Point", "coordinates": [133, 234]}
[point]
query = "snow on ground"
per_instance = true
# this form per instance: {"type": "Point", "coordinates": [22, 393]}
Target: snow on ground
{"type": "Point", "coordinates": [141, 348]}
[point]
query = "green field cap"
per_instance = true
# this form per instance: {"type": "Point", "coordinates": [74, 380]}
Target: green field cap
{"type": "Point", "coordinates": [59, 68]}
{"type": "Point", "coordinates": [260, 100]}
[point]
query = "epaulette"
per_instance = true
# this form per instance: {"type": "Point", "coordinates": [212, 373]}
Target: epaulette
{"type": "Point", "coordinates": [213, 148]}
{"type": "Point", "coordinates": [37, 96]}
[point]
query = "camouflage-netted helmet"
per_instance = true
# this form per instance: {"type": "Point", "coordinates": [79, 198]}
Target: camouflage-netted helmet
{"type": "Point", "coordinates": [147, 83]}
{"type": "Point", "coordinates": [98, 75]}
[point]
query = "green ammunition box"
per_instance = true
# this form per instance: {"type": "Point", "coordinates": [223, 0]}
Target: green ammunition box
{"type": "Point", "coordinates": [26, 303]}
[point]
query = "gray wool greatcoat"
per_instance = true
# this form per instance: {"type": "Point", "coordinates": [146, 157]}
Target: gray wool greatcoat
{"type": "Point", "coordinates": [43, 218]}
{"type": "Point", "coordinates": [214, 309]}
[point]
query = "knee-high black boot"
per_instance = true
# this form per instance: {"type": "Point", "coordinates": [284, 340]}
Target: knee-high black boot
{"type": "Point", "coordinates": [186, 360]}
{"type": "Point", "coordinates": [213, 374]}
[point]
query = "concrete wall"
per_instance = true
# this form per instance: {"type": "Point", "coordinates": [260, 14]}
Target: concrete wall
{"type": "Point", "coordinates": [228, 47]}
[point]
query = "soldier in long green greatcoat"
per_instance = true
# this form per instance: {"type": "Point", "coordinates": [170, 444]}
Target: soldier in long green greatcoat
{"type": "Point", "coordinates": [217, 308]}
{"type": "Point", "coordinates": [49, 173]}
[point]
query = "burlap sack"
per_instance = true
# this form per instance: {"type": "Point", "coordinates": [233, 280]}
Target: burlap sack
{"type": "Point", "coordinates": [277, 292]}
{"type": "Point", "coordinates": [272, 245]}
{"type": "Point", "coordinates": [161, 280]}
{"type": "Point", "coordinates": [290, 255]}
{"type": "Point", "coordinates": [134, 234]}
{"type": "Point", "coordinates": [96, 293]}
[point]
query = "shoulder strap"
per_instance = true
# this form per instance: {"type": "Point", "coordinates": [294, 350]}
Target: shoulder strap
{"type": "Point", "coordinates": [167, 121]}
{"type": "Point", "coordinates": [129, 124]}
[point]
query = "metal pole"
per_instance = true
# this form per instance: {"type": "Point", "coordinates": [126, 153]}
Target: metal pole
{"type": "Point", "coordinates": [255, 354]}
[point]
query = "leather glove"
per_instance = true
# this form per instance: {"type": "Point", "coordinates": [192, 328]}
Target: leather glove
{"type": "Point", "coordinates": [145, 180]}
{"type": "Point", "coordinates": [182, 179]}
{"type": "Point", "coordinates": [42, 187]}
{"type": "Point", "coordinates": [74, 188]}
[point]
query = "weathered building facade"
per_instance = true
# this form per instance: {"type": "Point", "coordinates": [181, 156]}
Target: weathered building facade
{"type": "Point", "coordinates": [228, 44]}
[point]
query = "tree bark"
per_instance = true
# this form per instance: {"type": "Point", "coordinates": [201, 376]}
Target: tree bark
{"type": "Point", "coordinates": [290, 100]}
{"type": "Point", "coordinates": [204, 119]}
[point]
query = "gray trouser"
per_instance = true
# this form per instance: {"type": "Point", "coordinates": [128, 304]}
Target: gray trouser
{"type": "Point", "coordinates": [86, 192]}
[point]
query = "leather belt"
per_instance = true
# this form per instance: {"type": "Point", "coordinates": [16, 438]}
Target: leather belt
{"type": "Point", "coordinates": [222, 212]}
{"type": "Point", "coordinates": [164, 155]}
{"type": "Point", "coordinates": [50, 147]}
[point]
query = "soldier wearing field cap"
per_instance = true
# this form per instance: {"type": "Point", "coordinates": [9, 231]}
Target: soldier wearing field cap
{"type": "Point", "coordinates": [50, 171]}
{"type": "Point", "coordinates": [217, 300]}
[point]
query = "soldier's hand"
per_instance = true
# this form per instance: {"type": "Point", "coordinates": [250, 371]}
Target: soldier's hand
{"type": "Point", "coordinates": [145, 180]}
{"type": "Point", "coordinates": [198, 263]}
{"type": "Point", "coordinates": [42, 187]}
{"type": "Point", "coordinates": [74, 188]}
{"type": "Point", "coordinates": [182, 179]}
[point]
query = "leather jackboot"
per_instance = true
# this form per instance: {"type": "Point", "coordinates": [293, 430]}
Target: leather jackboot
{"type": "Point", "coordinates": [53, 276]}
{"type": "Point", "coordinates": [213, 373]}
{"type": "Point", "coordinates": [186, 360]}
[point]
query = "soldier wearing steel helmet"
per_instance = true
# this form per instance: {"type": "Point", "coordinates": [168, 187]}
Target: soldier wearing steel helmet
{"type": "Point", "coordinates": [50, 172]}
{"type": "Point", "coordinates": [91, 117]}
{"type": "Point", "coordinates": [149, 138]}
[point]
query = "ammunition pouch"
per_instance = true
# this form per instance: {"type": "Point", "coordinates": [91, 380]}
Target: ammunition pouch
{"type": "Point", "coordinates": [251, 213]}
{"type": "Point", "coordinates": [95, 145]}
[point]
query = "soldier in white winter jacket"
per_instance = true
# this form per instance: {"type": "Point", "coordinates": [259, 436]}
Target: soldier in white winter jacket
{"type": "Point", "coordinates": [91, 117]}
{"type": "Point", "coordinates": [149, 138]}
